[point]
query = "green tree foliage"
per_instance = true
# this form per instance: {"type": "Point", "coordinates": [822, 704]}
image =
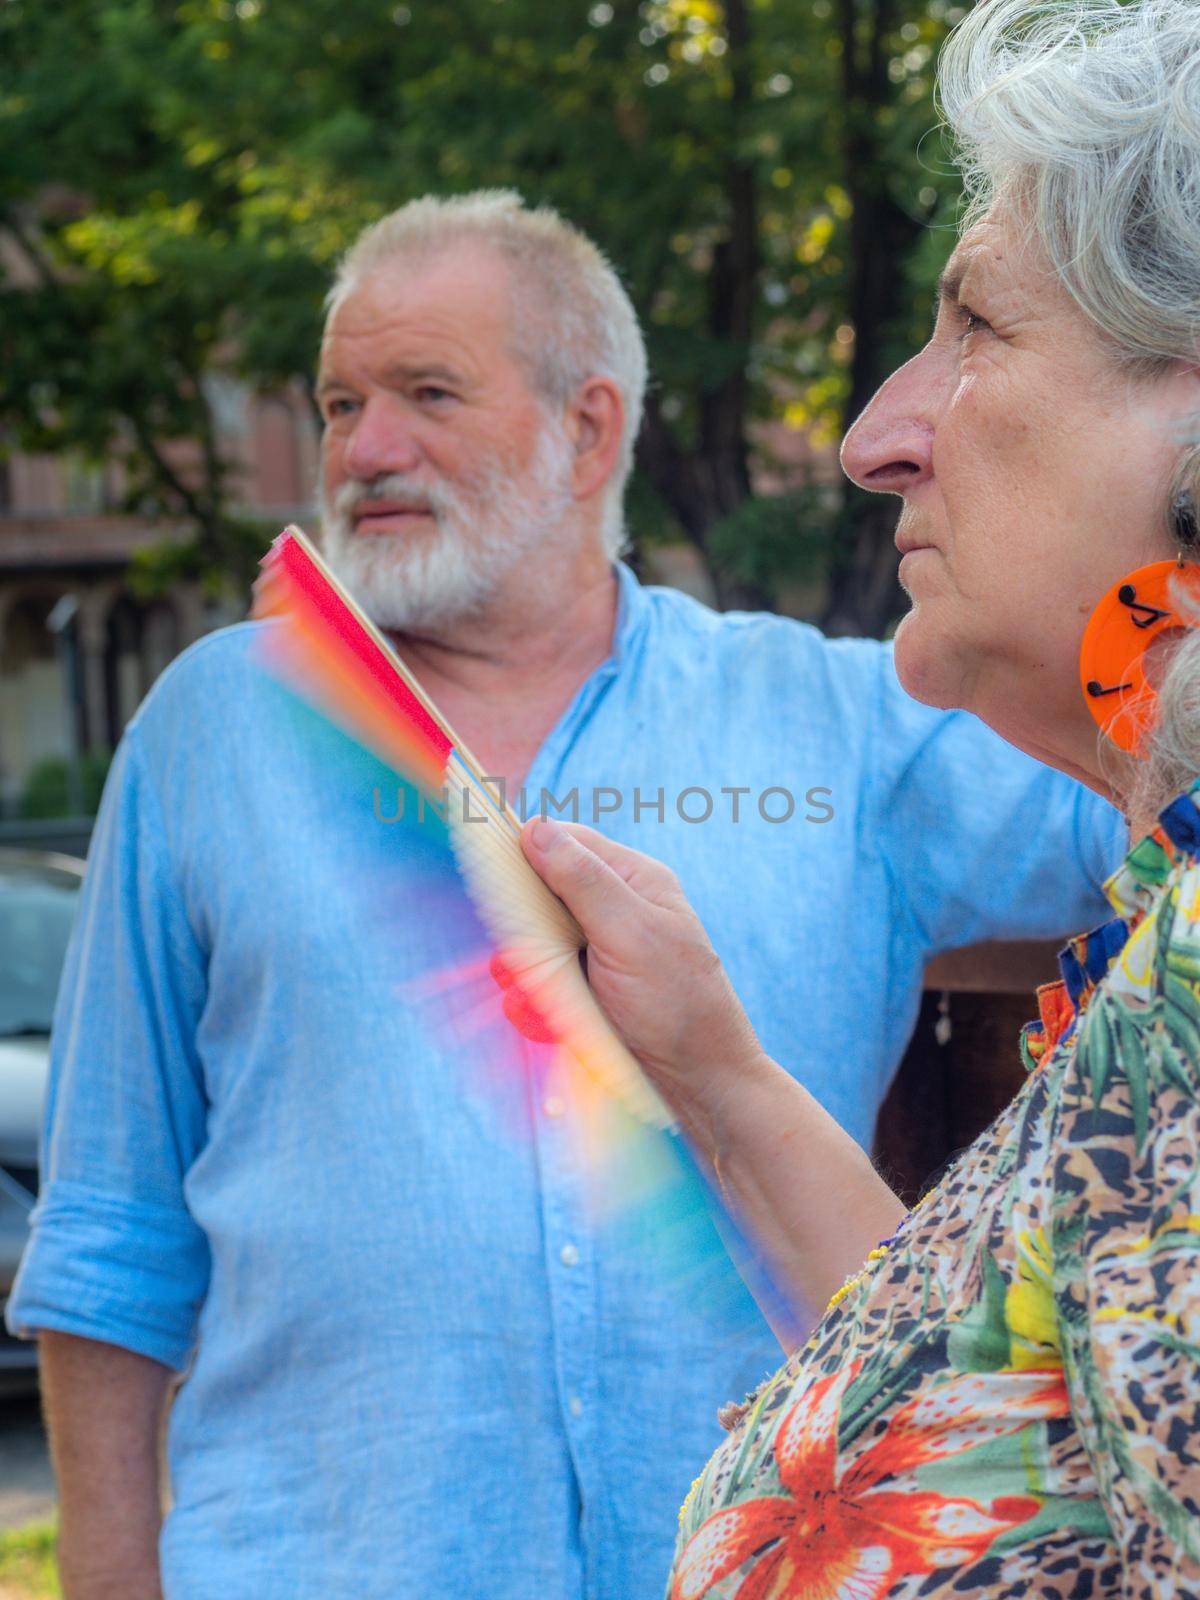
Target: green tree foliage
{"type": "Point", "coordinates": [51, 790]}
{"type": "Point", "coordinates": [180, 175]}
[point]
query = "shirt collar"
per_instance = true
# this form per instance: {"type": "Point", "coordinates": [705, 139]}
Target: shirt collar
{"type": "Point", "coordinates": [1136, 882]}
{"type": "Point", "coordinates": [632, 623]}
{"type": "Point", "coordinates": [633, 614]}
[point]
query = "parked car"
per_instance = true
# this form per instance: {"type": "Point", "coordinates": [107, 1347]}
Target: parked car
{"type": "Point", "coordinates": [39, 892]}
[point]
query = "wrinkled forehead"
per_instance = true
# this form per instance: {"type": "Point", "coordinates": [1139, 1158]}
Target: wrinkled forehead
{"type": "Point", "coordinates": [463, 299]}
{"type": "Point", "coordinates": [464, 284]}
{"type": "Point", "coordinates": [1001, 251]}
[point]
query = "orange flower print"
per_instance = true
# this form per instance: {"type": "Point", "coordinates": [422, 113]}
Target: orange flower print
{"type": "Point", "coordinates": [850, 1531]}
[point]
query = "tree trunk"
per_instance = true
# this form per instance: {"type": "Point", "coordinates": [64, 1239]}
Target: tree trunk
{"type": "Point", "coordinates": [864, 595]}
{"type": "Point", "coordinates": [704, 486]}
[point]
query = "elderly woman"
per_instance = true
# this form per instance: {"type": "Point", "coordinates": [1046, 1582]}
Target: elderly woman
{"type": "Point", "coordinates": [1005, 1400]}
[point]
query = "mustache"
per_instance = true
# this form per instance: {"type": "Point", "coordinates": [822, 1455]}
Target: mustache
{"type": "Point", "coordinates": [396, 487]}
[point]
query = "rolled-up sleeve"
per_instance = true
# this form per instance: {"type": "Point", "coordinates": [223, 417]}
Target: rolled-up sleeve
{"type": "Point", "coordinates": [114, 1253]}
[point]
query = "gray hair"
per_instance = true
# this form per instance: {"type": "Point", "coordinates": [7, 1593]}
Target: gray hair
{"type": "Point", "coordinates": [573, 318]}
{"type": "Point", "coordinates": [1088, 112]}
{"type": "Point", "coordinates": [1172, 744]}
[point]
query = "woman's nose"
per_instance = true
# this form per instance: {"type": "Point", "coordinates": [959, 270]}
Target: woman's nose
{"type": "Point", "coordinates": [890, 447]}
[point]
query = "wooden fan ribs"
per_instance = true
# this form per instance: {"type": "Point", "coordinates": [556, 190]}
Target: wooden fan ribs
{"type": "Point", "coordinates": [343, 664]}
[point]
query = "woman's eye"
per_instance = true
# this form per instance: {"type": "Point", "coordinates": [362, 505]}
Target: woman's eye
{"type": "Point", "coordinates": [970, 323]}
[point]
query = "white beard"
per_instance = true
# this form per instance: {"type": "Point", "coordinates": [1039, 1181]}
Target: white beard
{"type": "Point", "coordinates": [487, 524]}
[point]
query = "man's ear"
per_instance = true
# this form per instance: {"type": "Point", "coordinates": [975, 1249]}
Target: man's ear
{"type": "Point", "coordinates": [595, 420]}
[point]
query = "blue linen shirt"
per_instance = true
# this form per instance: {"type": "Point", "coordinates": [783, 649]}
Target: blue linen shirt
{"type": "Point", "coordinates": [417, 1363]}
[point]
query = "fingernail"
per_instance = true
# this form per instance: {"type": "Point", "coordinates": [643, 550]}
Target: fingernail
{"type": "Point", "coordinates": [545, 834]}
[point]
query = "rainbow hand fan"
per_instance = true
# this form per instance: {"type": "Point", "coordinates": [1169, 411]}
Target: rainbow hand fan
{"type": "Point", "coordinates": [338, 661]}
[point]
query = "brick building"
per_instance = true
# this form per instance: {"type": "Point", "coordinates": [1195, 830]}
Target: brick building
{"type": "Point", "coordinates": [60, 536]}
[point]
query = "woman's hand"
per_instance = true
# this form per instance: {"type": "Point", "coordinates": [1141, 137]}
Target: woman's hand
{"type": "Point", "coordinates": [797, 1183]}
{"type": "Point", "coordinates": [650, 965]}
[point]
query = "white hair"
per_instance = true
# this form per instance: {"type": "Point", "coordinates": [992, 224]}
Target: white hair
{"type": "Point", "coordinates": [1172, 744]}
{"type": "Point", "coordinates": [487, 525]}
{"type": "Point", "coordinates": [573, 319]}
{"type": "Point", "coordinates": [1087, 114]}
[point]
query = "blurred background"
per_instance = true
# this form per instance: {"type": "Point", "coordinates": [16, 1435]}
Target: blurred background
{"type": "Point", "coordinates": [178, 177]}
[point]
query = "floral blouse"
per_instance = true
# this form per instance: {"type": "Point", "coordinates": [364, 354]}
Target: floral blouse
{"type": "Point", "coordinates": [1006, 1401]}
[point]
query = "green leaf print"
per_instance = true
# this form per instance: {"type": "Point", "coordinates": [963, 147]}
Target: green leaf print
{"type": "Point", "coordinates": [1183, 960]}
{"type": "Point", "coordinates": [886, 1376]}
{"type": "Point", "coordinates": [1131, 1053]}
{"type": "Point", "coordinates": [1149, 863]}
{"type": "Point", "coordinates": [1179, 1011]}
{"type": "Point", "coordinates": [979, 1341]}
{"type": "Point", "coordinates": [1116, 1046]}
{"type": "Point", "coordinates": [1086, 1517]}
{"type": "Point", "coordinates": [1100, 1045]}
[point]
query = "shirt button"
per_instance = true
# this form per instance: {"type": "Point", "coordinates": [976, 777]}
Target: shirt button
{"type": "Point", "coordinates": [569, 1255]}
{"type": "Point", "coordinates": [553, 1106]}
{"type": "Point", "coordinates": [575, 1406]}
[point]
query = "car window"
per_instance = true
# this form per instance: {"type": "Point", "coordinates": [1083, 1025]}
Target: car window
{"type": "Point", "coordinates": [35, 924]}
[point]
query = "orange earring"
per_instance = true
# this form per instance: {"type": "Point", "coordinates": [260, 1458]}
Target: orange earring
{"type": "Point", "coordinates": [1112, 658]}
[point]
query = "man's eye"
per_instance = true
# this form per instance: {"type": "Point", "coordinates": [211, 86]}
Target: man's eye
{"type": "Point", "coordinates": [338, 408]}
{"type": "Point", "coordinates": [433, 393]}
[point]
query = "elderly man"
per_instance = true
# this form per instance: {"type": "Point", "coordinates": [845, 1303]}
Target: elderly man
{"type": "Point", "coordinates": [416, 1363]}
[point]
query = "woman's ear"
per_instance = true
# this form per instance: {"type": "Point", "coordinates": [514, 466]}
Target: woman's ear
{"type": "Point", "coordinates": [595, 421]}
